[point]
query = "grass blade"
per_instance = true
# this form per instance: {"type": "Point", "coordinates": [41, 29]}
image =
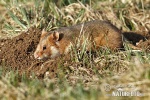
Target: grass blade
{"type": "Point", "coordinates": [16, 20]}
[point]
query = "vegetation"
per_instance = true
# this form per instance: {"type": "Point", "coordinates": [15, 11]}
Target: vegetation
{"type": "Point", "coordinates": [129, 70]}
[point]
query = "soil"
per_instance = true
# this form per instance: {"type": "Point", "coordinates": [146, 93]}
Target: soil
{"type": "Point", "coordinates": [17, 54]}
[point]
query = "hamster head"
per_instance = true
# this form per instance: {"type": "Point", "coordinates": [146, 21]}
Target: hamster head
{"type": "Point", "coordinates": [48, 46]}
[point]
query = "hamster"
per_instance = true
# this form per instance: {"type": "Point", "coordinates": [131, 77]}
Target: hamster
{"type": "Point", "coordinates": [98, 33]}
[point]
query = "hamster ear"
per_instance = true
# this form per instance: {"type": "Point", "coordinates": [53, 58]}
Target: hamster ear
{"type": "Point", "coordinates": [56, 36]}
{"type": "Point", "coordinates": [43, 33]}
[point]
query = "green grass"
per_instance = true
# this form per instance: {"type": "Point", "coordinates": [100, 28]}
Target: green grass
{"type": "Point", "coordinates": [82, 80]}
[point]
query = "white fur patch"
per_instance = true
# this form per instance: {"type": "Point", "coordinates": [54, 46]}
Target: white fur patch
{"type": "Point", "coordinates": [54, 52]}
{"type": "Point", "coordinates": [57, 43]}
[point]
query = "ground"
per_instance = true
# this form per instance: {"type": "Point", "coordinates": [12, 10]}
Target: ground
{"type": "Point", "coordinates": [17, 53]}
{"type": "Point", "coordinates": [77, 74]}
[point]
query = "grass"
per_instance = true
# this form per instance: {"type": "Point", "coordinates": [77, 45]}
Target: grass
{"type": "Point", "coordinates": [87, 75]}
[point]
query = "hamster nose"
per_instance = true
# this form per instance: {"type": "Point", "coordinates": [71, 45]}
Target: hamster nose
{"type": "Point", "coordinates": [36, 55]}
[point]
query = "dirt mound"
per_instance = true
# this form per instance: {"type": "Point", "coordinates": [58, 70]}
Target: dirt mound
{"type": "Point", "coordinates": [17, 53]}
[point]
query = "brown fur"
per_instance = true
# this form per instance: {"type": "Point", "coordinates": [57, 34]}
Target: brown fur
{"type": "Point", "coordinates": [99, 33]}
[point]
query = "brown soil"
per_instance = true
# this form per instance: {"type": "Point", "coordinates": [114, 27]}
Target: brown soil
{"type": "Point", "coordinates": [17, 53]}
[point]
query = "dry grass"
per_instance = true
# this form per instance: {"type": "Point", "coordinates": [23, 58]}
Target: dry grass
{"type": "Point", "coordinates": [90, 77]}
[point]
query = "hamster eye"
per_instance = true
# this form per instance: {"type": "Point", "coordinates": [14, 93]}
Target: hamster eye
{"type": "Point", "coordinates": [44, 47]}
